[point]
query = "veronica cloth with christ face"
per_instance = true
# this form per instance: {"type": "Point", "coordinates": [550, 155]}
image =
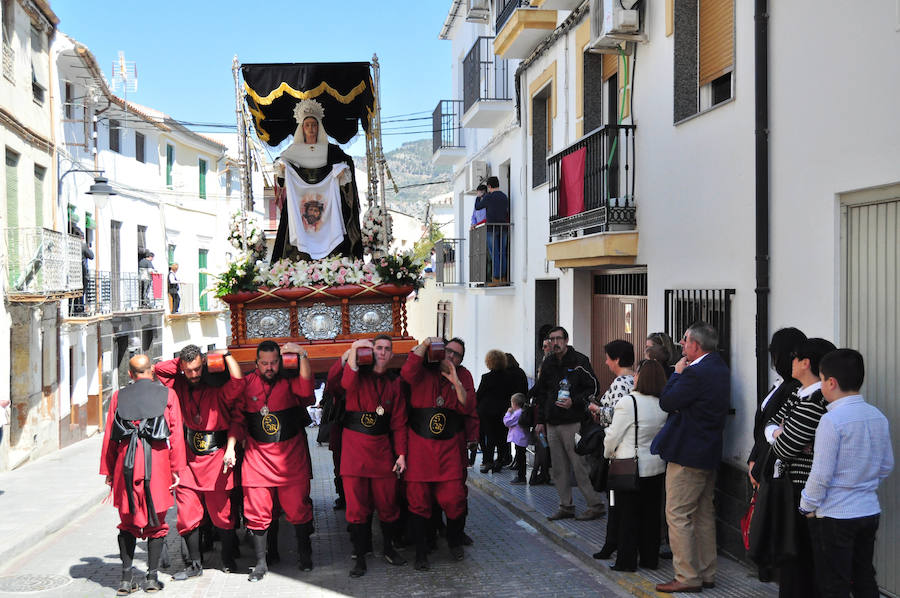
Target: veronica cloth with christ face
{"type": "Point", "coordinates": [314, 212]}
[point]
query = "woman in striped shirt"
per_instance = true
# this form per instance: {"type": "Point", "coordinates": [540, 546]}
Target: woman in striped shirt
{"type": "Point", "coordinates": [791, 433]}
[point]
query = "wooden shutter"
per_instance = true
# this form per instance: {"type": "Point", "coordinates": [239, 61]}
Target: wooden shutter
{"type": "Point", "coordinates": [12, 189]}
{"type": "Point", "coordinates": [204, 300]}
{"type": "Point", "coordinates": [170, 161]}
{"type": "Point", "coordinates": [716, 39]}
{"type": "Point", "coordinates": [39, 174]}
{"type": "Point", "coordinates": [610, 65]}
{"type": "Point", "coordinates": [139, 147]}
{"type": "Point", "coordinates": [202, 179]}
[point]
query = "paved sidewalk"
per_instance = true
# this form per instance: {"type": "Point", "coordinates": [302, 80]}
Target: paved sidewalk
{"type": "Point", "coordinates": [583, 538]}
{"type": "Point", "coordinates": [40, 498]}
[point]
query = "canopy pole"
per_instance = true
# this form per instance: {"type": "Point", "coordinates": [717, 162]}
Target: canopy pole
{"type": "Point", "coordinates": [379, 152]}
{"type": "Point", "coordinates": [242, 146]}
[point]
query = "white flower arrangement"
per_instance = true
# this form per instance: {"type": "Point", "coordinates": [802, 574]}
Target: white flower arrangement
{"type": "Point", "coordinates": [254, 242]}
{"type": "Point", "coordinates": [338, 271]}
{"type": "Point", "coordinates": [376, 229]}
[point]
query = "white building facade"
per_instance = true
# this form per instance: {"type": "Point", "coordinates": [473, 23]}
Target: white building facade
{"type": "Point", "coordinates": [664, 127]}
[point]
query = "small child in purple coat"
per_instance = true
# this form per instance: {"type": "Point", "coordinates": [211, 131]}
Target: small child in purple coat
{"type": "Point", "coordinates": [517, 434]}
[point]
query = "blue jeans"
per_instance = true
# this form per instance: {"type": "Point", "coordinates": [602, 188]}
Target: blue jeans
{"type": "Point", "coordinates": [843, 550]}
{"type": "Point", "coordinates": [498, 247]}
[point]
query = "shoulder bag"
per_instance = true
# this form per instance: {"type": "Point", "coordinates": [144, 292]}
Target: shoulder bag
{"type": "Point", "coordinates": [623, 473]}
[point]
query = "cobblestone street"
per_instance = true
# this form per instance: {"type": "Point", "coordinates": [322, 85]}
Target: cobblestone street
{"type": "Point", "coordinates": [509, 558]}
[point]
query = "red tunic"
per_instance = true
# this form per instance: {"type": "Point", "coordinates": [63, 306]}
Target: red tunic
{"type": "Point", "coordinates": [269, 464]}
{"type": "Point", "coordinates": [217, 410]}
{"type": "Point", "coordinates": [166, 458]}
{"type": "Point", "coordinates": [431, 460]}
{"type": "Point", "coordinates": [364, 455]}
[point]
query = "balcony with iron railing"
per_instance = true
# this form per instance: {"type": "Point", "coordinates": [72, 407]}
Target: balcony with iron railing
{"type": "Point", "coordinates": [120, 292]}
{"type": "Point", "coordinates": [448, 264]}
{"type": "Point", "coordinates": [487, 86]}
{"type": "Point", "coordinates": [519, 28]}
{"type": "Point", "coordinates": [42, 263]}
{"type": "Point", "coordinates": [489, 255]}
{"type": "Point", "coordinates": [446, 126]}
{"type": "Point", "coordinates": [591, 191]}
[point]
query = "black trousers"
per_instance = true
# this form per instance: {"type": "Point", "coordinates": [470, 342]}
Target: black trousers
{"type": "Point", "coordinates": [495, 433]}
{"type": "Point", "coordinates": [843, 550]}
{"type": "Point", "coordinates": [797, 578]}
{"type": "Point", "coordinates": [520, 462]}
{"type": "Point", "coordinates": [638, 518]}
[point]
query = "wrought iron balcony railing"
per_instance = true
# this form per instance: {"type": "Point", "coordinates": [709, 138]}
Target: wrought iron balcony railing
{"type": "Point", "coordinates": [505, 9]}
{"type": "Point", "coordinates": [42, 262]}
{"type": "Point", "coordinates": [485, 77]}
{"type": "Point", "coordinates": [489, 255]}
{"type": "Point", "coordinates": [119, 292]}
{"type": "Point", "coordinates": [446, 125]}
{"type": "Point", "coordinates": [448, 262]}
{"type": "Point", "coordinates": [608, 183]}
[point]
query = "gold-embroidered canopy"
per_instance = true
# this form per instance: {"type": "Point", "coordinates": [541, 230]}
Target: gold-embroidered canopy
{"type": "Point", "coordinates": [344, 89]}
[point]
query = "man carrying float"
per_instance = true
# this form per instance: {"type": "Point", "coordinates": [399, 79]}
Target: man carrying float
{"type": "Point", "coordinates": [276, 462]}
{"type": "Point", "coordinates": [435, 466]}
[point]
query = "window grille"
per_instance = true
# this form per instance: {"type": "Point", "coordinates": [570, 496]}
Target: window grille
{"type": "Point", "coordinates": [713, 306]}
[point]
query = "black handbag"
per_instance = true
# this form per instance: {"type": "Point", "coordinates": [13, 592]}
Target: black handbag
{"type": "Point", "coordinates": [623, 473]}
{"type": "Point", "coordinates": [773, 526]}
{"type": "Point", "coordinates": [591, 441]}
{"type": "Point", "coordinates": [599, 473]}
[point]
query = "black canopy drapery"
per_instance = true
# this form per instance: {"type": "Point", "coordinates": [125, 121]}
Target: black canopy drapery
{"type": "Point", "coordinates": [344, 89]}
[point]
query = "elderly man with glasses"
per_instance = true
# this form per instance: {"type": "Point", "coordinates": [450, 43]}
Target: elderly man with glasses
{"type": "Point", "coordinates": [563, 391]}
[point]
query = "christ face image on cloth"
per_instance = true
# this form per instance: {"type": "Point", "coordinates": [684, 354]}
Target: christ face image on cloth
{"type": "Point", "coordinates": [313, 212]}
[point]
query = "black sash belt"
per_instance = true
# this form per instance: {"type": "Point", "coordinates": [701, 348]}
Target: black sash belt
{"type": "Point", "coordinates": [144, 430]}
{"type": "Point", "coordinates": [366, 422]}
{"type": "Point", "coordinates": [435, 423]}
{"type": "Point", "coordinates": [276, 426]}
{"type": "Point", "coordinates": [203, 442]}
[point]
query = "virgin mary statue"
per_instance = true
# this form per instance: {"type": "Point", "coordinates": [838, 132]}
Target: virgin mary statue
{"type": "Point", "coordinates": [316, 180]}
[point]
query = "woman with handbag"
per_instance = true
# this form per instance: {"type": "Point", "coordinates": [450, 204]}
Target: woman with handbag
{"type": "Point", "coordinates": [635, 476]}
{"type": "Point", "coordinates": [792, 433]}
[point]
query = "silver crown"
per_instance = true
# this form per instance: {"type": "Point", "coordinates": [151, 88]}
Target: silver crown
{"type": "Point", "coordinates": [306, 108]}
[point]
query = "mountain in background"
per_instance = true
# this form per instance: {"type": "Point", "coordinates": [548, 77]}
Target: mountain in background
{"type": "Point", "coordinates": [410, 164]}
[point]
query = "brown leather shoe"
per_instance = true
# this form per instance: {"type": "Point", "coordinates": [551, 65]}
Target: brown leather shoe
{"type": "Point", "coordinates": [676, 586]}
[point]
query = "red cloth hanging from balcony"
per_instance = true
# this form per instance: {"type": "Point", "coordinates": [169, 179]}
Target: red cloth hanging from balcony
{"type": "Point", "coordinates": [571, 183]}
{"type": "Point", "coordinates": [157, 282]}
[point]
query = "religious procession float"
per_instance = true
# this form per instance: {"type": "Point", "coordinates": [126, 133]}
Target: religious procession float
{"type": "Point", "coordinates": [328, 281]}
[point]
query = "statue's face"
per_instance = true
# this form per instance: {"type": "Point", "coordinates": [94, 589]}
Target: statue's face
{"type": "Point", "coordinates": [310, 130]}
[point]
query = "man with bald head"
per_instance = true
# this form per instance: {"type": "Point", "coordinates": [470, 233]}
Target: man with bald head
{"type": "Point", "coordinates": [143, 461]}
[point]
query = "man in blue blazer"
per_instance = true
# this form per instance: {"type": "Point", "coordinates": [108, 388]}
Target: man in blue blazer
{"type": "Point", "coordinates": [696, 399]}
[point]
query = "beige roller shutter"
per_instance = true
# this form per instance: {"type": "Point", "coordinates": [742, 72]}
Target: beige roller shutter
{"type": "Point", "coordinates": [716, 39]}
{"type": "Point", "coordinates": [610, 65]}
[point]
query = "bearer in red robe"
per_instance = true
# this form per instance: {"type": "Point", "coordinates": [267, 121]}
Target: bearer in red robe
{"type": "Point", "coordinates": [435, 463]}
{"type": "Point", "coordinates": [209, 413]}
{"type": "Point", "coordinates": [374, 447]}
{"type": "Point", "coordinates": [276, 457]}
{"type": "Point", "coordinates": [142, 459]}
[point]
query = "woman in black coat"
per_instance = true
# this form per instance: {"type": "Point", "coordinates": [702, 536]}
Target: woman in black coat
{"type": "Point", "coordinates": [492, 399]}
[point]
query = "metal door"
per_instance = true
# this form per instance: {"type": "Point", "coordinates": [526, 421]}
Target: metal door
{"type": "Point", "coordinates": [616, 317]}
{"type": "Point", "coordinates": [871, 324]}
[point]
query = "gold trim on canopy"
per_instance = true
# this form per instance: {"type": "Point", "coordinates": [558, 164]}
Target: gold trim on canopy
{"type": "Point", "coordinates": [284, 88]}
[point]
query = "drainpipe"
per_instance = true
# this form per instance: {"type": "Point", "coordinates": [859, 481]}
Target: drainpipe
{"type": "Point", "coordinates": [761, 106]}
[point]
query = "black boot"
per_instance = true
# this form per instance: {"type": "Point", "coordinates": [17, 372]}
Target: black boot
{"type": "Point", "coordinates": [419, 527]}
{"type": "Point", "coordinates": [455, 537]}
{"type": "Point", "coordinates": [370, 548]}
{"type": "Point", "coordinates": [226, 536]}
{"type": "Point", "coordinates": [304, 546]}
{"type": "Point", "coordinates": [194, 568]}
{"type": "Point", "coordinates": [259, 548]}
{"type": "Point", "coordinates": [358, 540]}
{"type": "Point", "coordinates": [272, 554]}
{"type": "Point", "coordinates": [388, 534]}
{"type": "Point", "coordinates": [126, 553]}
{"type": "Point", "coordinates": [154, 550]}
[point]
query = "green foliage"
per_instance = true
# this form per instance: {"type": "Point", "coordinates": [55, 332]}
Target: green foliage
{"type": "Point", "coordinates": [400, 269]}
{"type": "Point", "coordinates": [238, 277]}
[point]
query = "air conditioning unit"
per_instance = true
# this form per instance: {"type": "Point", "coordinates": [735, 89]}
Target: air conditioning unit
{"type": "Point", "coordinates": [479, 11]}
{"type": "Point", "coordinates": [611, 24]}
{"type": "Point", "coordinates": [476, 174]}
